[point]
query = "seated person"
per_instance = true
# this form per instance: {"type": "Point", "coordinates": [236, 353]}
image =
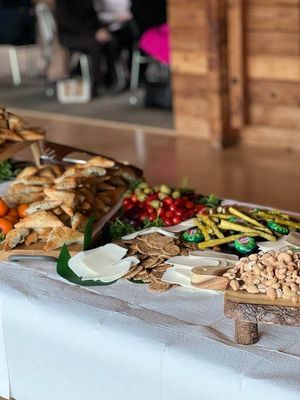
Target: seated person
{"type": "Point", "coordinates": [116, 16]}
{"type": "Point", "coordinates": [79, 29]}
{"type": "Point", "coordinates": [17, 22]}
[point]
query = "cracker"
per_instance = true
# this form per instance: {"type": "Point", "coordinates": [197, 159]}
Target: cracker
{"type": "Point", "coordinates": [159, 286]}
{"type": "Point", "coordinates": [171, 250]}
{"type": "Point", "coordinates": [142, 247]}
{"type": "Point", "coordinates": [133, 272]}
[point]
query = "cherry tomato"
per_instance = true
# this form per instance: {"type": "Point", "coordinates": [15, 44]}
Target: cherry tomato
{"type": "Point", "coordinates": [179, 202]}
{"type": "Point", "coordinates": [152, 217]}
{"type": "Point", "coordinates": [134, 198]}
{"type": "Point", "coordinates": [172, 207]}
{"type": "Point", "coordinates": [127, 201]}
{"type": "Point", "coordinates": [168, 222]}
{"type": "Point", "coordinates": [168, 201]}
{"type": "Point", "coordinates": [128, 206]}
{"type": "Point", "coordinates": [176, 220]}
{"type": "Point", "coordinates": [179, 213]}
{"type": "Point", "coordinates": [143, 215]}
{"type": "Point", "coordinates": [152, 197]}
{"type": "Point", "coordinates": [199, 208]}
{"type": "Point", "coordinates": [189, 205]}
{"type": "Point", "coordinates": [150, 209]}
{"type": "Point", "coordinates": [169, 214]}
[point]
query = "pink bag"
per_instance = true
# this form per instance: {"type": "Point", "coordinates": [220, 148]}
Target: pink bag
{"type": "Point", "coordinates": [155, 42]}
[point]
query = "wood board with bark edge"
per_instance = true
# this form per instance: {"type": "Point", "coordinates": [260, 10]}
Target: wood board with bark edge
{"type": "Point", "coordinates": [8, 150]}
{"type": "Point", "coordinates": [250, 309]}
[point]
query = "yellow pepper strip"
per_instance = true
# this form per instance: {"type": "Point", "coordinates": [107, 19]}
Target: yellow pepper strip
{"type": "Point", "coordinates": [228, 239]}
{"type": "Point", "coordinates": [221, 216]}
{"type": "Point", "coordinates": [295, 225]}
{"type": "Point", "coordinates": [212, 225]}
{"type": "Point", "coordinates": [203, 230]}
{"type": "Point", "coordinates": [279, 214]}
{"type": "Point", "coordinates": [240, 228]}
{"type": "Point", "coordinates": [245, 217]}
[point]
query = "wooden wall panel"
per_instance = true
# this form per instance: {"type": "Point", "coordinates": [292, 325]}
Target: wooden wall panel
{"type": "Point", "coordinates": [189, 66]}
{"type": "Point", "coordinates": [274, 93]}
{"type": "Point", "coordinates": [273, 43]}
{"type": "Point", "coordinates": [276, 16]}
{"type": "Point", "coordinates": [236, 67]}
{"type": "Point", "coordinates": [273, 64]}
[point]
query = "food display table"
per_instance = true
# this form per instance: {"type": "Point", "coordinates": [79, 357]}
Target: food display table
{"type": "Point", "coordinates": [62, 341]}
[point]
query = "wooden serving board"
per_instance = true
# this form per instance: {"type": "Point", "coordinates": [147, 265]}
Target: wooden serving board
{"type": "Point", "coordinates": [250, 309]}
{"type": "Point", "coordinates": [36, 249]}
{"type": "Point", "coordinates": [209, 278]}
{"type": "Point", "coordinates": [9, 150]}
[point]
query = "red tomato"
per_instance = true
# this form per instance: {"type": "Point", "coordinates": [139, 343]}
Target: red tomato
{"type": "Point", "coordinates": [179, 202]}
{"type": "Point", "coordinates": [150, 209]}
{"type": "Point", "coordinates": [134, 198]}
{"type": "Point", "coordinates": [176, 220]}
{"type": "Point", "coordinates": [143, 215]}
{"type": "Point", "coordinates": [126, 201]}
{"type": "Point", "coordinates": [189, 205]}
{"type": "Point", "coordinates": [168, 201]}
{"type": "Point", "coordinates": [168, 222]}
{"type": "Point", "coordinates": [199, 208]}
{"type": "Point", "coordinates": [179, 213]}
{"type": "Point", "coordinates": [128, 206]}
{"type": "Point", "coordinates": [172, 207]}
{"type": "Point", "coordinates": [152, 197]}
{"type": "Point", "coordinates": [169, 214]}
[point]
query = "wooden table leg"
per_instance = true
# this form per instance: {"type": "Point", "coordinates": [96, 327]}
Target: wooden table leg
{"type": "Point", "coordinates": [246, 332]}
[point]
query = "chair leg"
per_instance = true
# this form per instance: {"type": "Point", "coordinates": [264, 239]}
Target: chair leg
{"type": "Point", "coordinates": [135, 70]}
{"type": "Point", "coordinates": [14, 65]}
{"type": "Point", "coordinates": [85, 67]}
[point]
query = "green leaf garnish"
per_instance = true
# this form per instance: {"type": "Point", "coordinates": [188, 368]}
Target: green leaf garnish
{"type": "Point", "coordinates": [119, 228]}
{"type": "Point", "coordinates": [88, 233]}
{"type": "Point", "coordinates": [211, 200]}
{"type": "Point", "coordinates": [7, 171]}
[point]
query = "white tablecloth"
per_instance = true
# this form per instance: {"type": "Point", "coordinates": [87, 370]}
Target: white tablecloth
{"type": "Point", "coordinates": [122, 342]}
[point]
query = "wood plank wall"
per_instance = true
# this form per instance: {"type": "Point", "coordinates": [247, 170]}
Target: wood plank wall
{"type": "Point", "coordinates": [269, 95]}
{"type": "Point", "coordinates": [188, 26]}
{"type": "Point", "coordinates": [273, 42]}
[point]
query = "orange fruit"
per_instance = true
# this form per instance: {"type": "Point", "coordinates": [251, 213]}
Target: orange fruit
{"type": "Point", "coordinates": [11, 219]}
{"type": "Point", "coordinates": [13, 212]}
{"type": "Point", "coordinates": [22, 210]}
{"type": "Point", "coordinates": [5, 225]}
{"type": "Point", "coordinates": [3, 208]}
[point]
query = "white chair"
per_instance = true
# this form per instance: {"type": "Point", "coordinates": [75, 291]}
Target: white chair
{"type": "Point", "coordinates": [137, 59]}
{"type": "Point", "coordinates": [48, 32]}
{"type": "Point", "coordinates": [14, 61]}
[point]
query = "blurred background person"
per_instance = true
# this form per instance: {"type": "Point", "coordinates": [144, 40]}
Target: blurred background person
{"type": "Point", "coordinates": [116, 16]}
{"type": "Point", "coordinates": [79, 29]}
{"type": "Point", "coordinates": [17, 22]}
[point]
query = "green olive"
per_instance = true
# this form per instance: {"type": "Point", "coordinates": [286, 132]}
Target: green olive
{"type": "Point", "coordinates": [155, 203]}
{"type": "Point", "coordinates": [176, 194]}
{"type": "Point", "coordinates": [162, 196]}
{"type": "Point", "coordinates": [148, 191]}
{"type": "Point", "coordinates": [165, 189]}
{"type": "Point", "coordinates": [143, 185]}
{"type": "Point", "coordinates": [142, 197]}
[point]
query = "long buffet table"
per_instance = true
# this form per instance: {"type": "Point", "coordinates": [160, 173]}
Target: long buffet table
{"type": "Point", "coordinates": [61, 341]}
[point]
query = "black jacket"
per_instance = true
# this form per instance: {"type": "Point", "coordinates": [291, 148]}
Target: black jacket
{"type": "Point", "coordinates": [76, 17]}
{"type": "Point", "coordinates": [149, 13]}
